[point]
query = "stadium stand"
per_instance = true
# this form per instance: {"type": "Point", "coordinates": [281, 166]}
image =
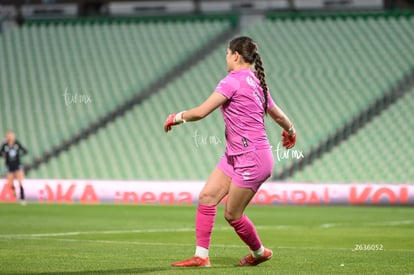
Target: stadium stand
{"type": "Point", "coordinates": [102, 62]}
{"type": "Point", "coordinates": [337, 66]}
{"type": "Point", "coordinates": [136, 147]}
{"type": "Point", "coordinates": [332, 68]}
{"type": "Point", "coordinates": [380, 153]}
{"type": "Point", "coordinates": [323, 70]}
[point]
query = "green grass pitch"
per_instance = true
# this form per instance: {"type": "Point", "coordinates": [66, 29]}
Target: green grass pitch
{"type": "Point", "coordinates": [115, 239]}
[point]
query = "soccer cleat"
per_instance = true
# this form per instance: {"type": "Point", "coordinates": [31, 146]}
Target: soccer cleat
{"type": "Point", "coordinates": [193, 261]}
{"type": "Point", "coordinates": [249, 260]}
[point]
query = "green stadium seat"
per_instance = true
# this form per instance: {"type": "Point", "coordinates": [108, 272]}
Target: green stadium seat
{"type": "Point", "coordinates": [322, 72]}
{"type": "Point", "coordinates": [109, 62]}
{"type": "Point", "coordinates": [380, 152]}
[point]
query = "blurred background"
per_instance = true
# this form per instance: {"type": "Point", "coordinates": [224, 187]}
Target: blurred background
{"type": "Point", "coordinates": [86, 85]}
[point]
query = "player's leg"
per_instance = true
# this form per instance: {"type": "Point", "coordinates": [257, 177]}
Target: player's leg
{"type": "Point", "coordinates": [250, 171]}
{"type": "Point", "coordinates": [237, 201]}
{"type": "Point", "coordinates": [10, 182]}
{"type": "Point", "coordinates": [215, 189]}
{"type": "Point", "coordinates": [19, 174]}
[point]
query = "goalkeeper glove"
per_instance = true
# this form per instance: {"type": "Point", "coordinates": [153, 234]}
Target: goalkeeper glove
{"type": "Point", "coordinates": [289, 138]}
{"type": "Point", "coordinates": [173, 119]}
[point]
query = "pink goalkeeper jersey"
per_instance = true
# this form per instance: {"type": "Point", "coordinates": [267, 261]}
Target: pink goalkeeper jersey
{"type": "Point", "coordinates": [243, 113]}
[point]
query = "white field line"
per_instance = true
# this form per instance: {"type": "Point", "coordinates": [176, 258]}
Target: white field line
{"type": "Point", "coordinates": [189, 229]}
{"type": "Point", "coordinates": [136, 231]}
{"type": "Point", "coordinates": [103, 232]}
{"type": "Point", "coordinates": [106, 232]}
{"type": "Point", "coordinates": [387, 223]}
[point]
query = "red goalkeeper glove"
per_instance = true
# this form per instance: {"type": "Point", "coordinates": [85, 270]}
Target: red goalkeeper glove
{"type": "Point", "coordinates": [289, 138]}
{"type": "Point", "coordinates": [173, 119]}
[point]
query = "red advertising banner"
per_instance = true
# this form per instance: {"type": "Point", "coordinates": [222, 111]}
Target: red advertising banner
{"type": "Point", "coordinates": [186, 192]}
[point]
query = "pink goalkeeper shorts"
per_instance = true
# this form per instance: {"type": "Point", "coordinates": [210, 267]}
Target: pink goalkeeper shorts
{"type": "Point", "coordinates": [248, 170]}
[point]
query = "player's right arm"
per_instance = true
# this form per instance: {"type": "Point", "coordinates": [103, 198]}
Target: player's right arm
{"type": "Point", "coordinates": [204, 109]}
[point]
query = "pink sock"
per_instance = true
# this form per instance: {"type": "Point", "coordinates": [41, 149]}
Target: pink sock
{"type": "Point", "coordinates": [204, 224]}
{"type": "Point", "coordinates": [246, 231]}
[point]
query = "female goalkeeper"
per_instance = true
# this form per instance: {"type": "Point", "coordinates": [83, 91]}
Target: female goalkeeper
{"type": "Point", "coordinates": [244, 99]}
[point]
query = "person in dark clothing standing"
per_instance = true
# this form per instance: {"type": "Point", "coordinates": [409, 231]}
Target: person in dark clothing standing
{"type": "Point", "coordinates": [12, 150]}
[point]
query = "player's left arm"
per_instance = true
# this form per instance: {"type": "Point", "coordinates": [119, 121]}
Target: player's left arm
{"type": "Point", "coordinates": [289, 132]}
{"type": "Point", "coordinates": [280, 118]}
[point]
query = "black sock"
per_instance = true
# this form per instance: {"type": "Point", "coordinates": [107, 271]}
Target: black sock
{"type": "Point", "coordinates": [21, 193]}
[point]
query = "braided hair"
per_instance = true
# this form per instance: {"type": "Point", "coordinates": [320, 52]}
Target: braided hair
{"type": "Point", "coordinates": [248, 49]}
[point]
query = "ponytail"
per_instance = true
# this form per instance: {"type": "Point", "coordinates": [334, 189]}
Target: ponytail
{"type": "Point", "coordinates": [258, 66]}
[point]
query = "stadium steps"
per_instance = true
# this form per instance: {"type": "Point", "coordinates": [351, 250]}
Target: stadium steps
{"type": "Point", "coordinates": [43, 60]}
{"type": "Point", "coordinates": [336, 65]}
{"type": "Point", "coordinates": [324, 82]}
{"type": "Point", "coordinates": [111, 62]}
{"type": "Point", "coordinates": [120, 168]}
{"type": "Point", "coordinates": [326, 71]}
{"type": "Point", "coordinates": [378, 151]}
{"type": "Point", "coordinates": [136, 146]}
